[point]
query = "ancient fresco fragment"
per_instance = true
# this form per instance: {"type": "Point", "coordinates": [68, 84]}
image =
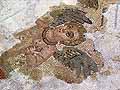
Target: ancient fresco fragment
{"type": "Point", "coordinates": [69, 15]}
{"type": "Point", "coordinates": [37, 54]}
{"type": "Point", "coordinates": [70, 34]}
{"type": "Point", "coordinates": [76, 60]}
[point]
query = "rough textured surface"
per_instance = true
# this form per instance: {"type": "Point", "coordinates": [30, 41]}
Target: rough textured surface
{"type": "Point", "coordinates": [69, 15]}
{"type": "Point", "coordinates": [98, 40]}
{"type": "Point", "coordinates": [77, 61]}
{"type": "Point", "coordinates": [89, 3]}
{"type": "Point", "coordinates": [33, 52]}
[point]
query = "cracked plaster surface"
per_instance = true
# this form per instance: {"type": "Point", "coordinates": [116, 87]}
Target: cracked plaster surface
{"type": "Point", "coordinates": [14, 19]}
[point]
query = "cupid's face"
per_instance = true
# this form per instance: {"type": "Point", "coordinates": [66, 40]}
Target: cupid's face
{"type": "Point", "coordinates": [70, 33]}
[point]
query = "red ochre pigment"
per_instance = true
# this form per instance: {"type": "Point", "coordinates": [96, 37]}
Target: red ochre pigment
{"type": "Point", "coordinates": [2, 73]}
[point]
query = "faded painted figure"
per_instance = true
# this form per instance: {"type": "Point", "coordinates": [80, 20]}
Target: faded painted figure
{"type": "Point", "coordinates": [70, 34]}
{"type": "Point", "coordinates": [77, 61]}
{"type": "Point", "coordinates": [44, 43]}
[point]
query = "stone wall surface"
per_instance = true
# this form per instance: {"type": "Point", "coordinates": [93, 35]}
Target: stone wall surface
{"type": "Point", "coordinates": [20, 15]}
